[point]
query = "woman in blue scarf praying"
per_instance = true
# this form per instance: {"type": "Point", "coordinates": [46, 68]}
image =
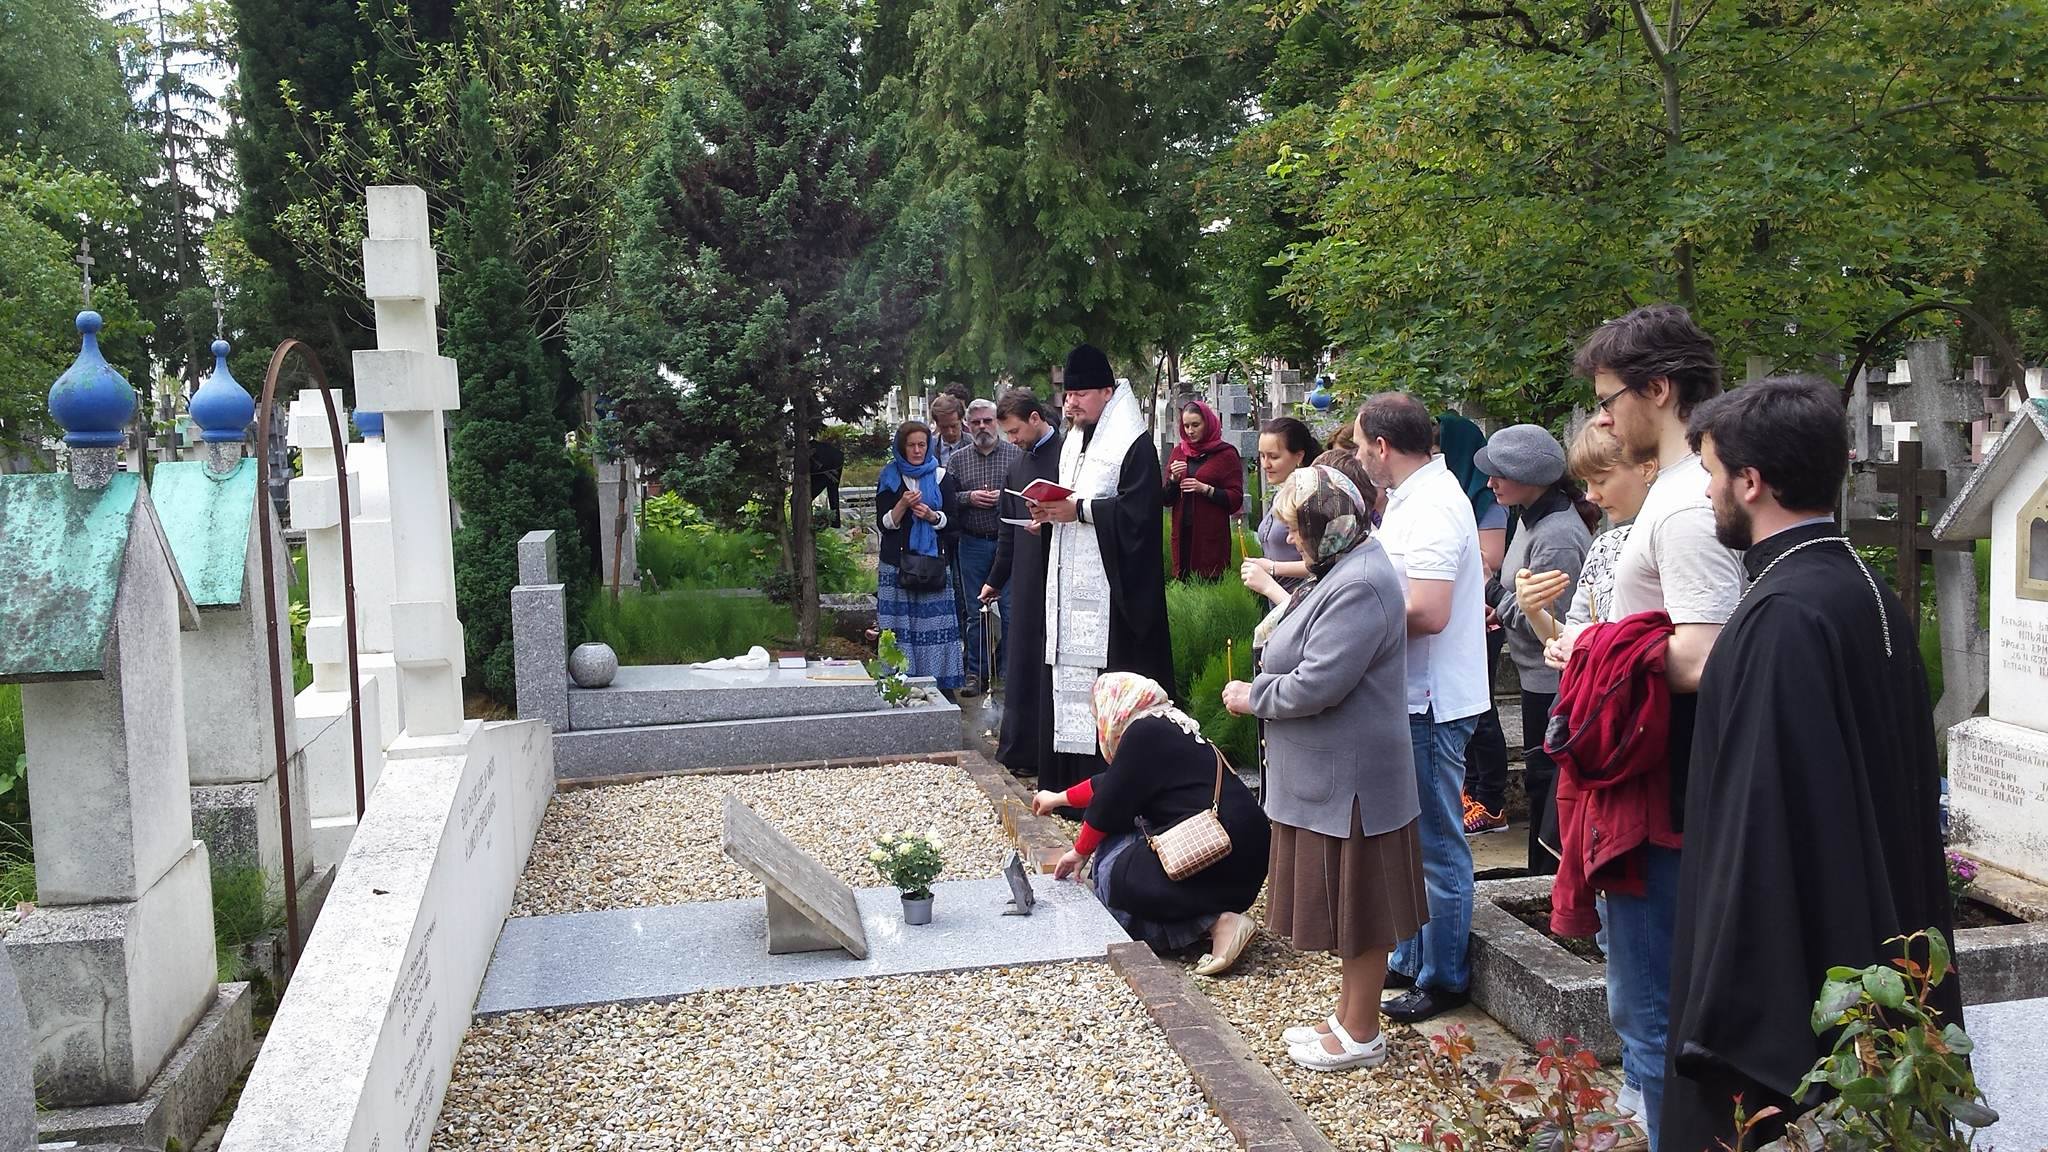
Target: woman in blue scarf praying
{"type": "Point", "coordinates": [914, 586]}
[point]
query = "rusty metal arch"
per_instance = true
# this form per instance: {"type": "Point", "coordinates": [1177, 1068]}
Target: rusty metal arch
{"type": "Point", "coordinates": [348, 602]}
{"type": "Point", "coordinates": [1868, 345]}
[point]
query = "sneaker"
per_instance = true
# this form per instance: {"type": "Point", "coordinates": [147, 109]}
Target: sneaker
{"type": "Point", "coordinates": [1479, 821]}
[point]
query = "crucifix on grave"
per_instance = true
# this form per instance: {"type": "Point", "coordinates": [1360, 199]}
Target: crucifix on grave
{"type": "Point", "coordinates": [1916, 488]}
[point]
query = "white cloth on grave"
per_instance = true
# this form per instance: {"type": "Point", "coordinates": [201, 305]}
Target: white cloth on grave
{"type": "Point", "coordinates": [1077, 586]}
{"type": "Point", "coordinates": [756, 657]}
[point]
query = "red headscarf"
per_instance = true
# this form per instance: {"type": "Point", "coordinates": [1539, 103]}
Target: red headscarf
{"type": "Point", "coordinates": [1212, 434]}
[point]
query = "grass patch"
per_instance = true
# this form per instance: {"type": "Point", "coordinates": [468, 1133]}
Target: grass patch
{"type": "Point", "coordinates": [702, 556]}
{"type": "Point", "coordinates": [13, 759]}
{"type": "Point", "coordinates": [248, 907]}
{"type": "Point", "coordinates": [683, 627]}
{"type": "Point", "coordinates": [17, 867]}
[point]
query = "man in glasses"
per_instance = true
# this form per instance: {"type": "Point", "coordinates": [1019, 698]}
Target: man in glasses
{"type": "Point", "coordinates": [1649, 370]}
{"type": "Point", "coordinates": [980, 467]}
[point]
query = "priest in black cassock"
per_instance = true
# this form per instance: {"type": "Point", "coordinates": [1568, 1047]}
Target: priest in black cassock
{"type": "Point", "coordinates": [1105, 587]}
{"type": "Point", "coordinates": [1020, 563]}
{"type": "Point", "coordinates": [1812, 831]}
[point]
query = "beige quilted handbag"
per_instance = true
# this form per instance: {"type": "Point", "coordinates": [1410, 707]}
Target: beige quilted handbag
{"type": "Point", "coordinates": [1196, 842]}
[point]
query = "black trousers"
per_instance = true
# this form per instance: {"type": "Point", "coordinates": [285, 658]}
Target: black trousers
{"type": "Point", "coordinates": [1539, 774]}
{"type": "Point", "coordinates": [1486, 753]}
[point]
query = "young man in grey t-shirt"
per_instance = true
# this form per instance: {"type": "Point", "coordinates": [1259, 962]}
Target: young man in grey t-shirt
{"type": "Point", "coordinates": [1649, 370]}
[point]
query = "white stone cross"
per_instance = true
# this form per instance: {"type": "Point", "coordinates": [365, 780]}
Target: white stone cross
{"type": "Point", "coordinates": [407, 380]}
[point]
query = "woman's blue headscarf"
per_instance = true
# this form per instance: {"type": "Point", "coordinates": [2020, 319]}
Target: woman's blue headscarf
{"type": "Point", "coordinates": [1461, 440]}
{"type": "Point", "coordinates": [899, 473]}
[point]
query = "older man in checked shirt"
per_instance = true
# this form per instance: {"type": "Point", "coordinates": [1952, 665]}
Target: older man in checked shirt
{"type": "Point", "coordinates": [979, 468]}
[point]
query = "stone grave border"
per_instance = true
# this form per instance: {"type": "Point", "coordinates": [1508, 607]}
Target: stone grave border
{"type": "Point", "coordinates": [1247, 1097]}
{"type": "Point", "coordinates": [1536, 989]}
{"type": "Point", "coordinates": [578, 783]}
{"type": "Point", "coordinates": [359, 1054]}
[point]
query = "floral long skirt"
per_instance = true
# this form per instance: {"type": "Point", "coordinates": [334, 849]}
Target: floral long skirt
{"type": "Point", "coordinates": [927, 627]}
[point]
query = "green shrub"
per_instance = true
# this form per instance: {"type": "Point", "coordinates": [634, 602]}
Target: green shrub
{"type": "Point", "coordinates": [684, 626]}
{"type": "Point", "coordinates": [1200, 615]}
{"type": "Point", "coordinates": [1238, 736]}
{"type": "Point", "coordinates": [699, 555]}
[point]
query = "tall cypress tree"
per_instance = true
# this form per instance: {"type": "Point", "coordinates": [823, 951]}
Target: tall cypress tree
{"type": "Point", "coordinates": [508, 467]}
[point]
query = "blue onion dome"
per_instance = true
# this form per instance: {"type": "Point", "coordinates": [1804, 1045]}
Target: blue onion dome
{"type": "Point", "coordinates": [221, 408]}
{"type": "Point", "coordinates": [370, 424]}
{"type": "Point", "coordinates": [90, 401]}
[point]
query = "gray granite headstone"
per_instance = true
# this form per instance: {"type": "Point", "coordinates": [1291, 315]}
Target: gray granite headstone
{"type": "Point", "coordinates": [17, 1083]}
{"type": "Point", "coordinates": [537, 557]}
{"type": "Point", "coordinates": [809, 909]}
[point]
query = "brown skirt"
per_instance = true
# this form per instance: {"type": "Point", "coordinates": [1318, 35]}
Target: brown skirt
{"type": "Point", "coordinates": [1352, 896]}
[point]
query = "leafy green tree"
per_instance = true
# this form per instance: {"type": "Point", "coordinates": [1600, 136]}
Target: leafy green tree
{"type": "Point", "coordinates": [40, 288]}
{"type": "Point", "coordinates": [761, 285]}
{"type": "Point", "coordinates": [508, 467]}
{"type": "Point", "coordinates": [1060, 141]}
{"type": "Point", "coordinates": [1499, 178]}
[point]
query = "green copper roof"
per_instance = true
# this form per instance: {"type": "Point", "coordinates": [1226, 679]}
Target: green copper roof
{"type": "Point", "coordinates": [60, 566]}
{"type": "Point", "coordinates": [207, 522]}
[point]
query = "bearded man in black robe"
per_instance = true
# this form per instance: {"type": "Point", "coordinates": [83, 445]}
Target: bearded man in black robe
{"type": "Point", "coordinates": [1812, 822]}
{"type": "Point", "coordinates": [1105, 587]}
{"type": "Point", "coordinates": [1020, 566]}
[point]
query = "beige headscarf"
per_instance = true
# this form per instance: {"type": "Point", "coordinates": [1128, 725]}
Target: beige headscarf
{"type": "Point", "coordinates": [1122, 698]}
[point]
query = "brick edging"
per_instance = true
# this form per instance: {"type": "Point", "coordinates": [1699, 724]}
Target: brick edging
{"type": "Point", "coordinates": [575, 783]}
{"type": "Point", "coordinates": [1247, 1097]}
{"type": "Point", "coordinates": [1041, 839]}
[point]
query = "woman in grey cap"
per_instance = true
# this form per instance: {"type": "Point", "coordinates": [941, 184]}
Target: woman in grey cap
{"type": "Point", "coordinates": [1524, 465]}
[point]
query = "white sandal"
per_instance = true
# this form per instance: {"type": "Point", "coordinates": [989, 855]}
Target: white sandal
{"type": "Point", "coordinates": [1355, 1055]}
{"type": "Point", "coordinates": [1306, 1033]}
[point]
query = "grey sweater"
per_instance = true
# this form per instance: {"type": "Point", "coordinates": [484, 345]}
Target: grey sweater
{"type": "Point", "coordinates": [1552, 538]}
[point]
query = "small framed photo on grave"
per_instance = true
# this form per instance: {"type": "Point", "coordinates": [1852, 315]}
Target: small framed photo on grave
{"type": "Point", "coordinates": [1022, 898]}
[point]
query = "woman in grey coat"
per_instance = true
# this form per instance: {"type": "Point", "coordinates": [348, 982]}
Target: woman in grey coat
{"type": "Point", "coordinates": [1346, 873]}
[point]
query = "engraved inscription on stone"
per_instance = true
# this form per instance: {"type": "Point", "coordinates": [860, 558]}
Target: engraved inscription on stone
{"type": "Point", "coordinates": [809, 909]}
{"type": "Point", "coordinates": [2022, 645]}
{"type": "Point", "coordinates": [480, 809]}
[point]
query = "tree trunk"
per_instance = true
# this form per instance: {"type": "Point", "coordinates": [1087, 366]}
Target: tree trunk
{"type": "Point", "coordinates": [802, 535]}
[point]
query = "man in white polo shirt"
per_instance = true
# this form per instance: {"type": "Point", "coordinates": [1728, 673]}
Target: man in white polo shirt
{"type": "Point", "coordinates": [1430, 535]}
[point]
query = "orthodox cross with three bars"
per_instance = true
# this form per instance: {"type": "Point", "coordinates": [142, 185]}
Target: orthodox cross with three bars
{"type": "Point", "coordinates": [85, 263]}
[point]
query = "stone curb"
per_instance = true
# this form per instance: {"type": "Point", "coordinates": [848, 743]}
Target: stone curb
{"type": "Point", "coordinates": [572, 784]}
{"type": "Point", "coordinates": [1041, 839]}
{"type": "Point", "coordinates": [1248, 1099]}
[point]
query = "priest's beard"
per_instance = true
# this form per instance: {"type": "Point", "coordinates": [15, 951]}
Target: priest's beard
{"type": "Point", "coordinates": [1733, 525]}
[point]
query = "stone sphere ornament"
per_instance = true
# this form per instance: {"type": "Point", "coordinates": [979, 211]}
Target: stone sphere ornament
{"type": "Point", "coordinates": [593, 665]}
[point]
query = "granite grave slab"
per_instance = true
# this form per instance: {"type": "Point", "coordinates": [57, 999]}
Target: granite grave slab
{"type": "Point", "coordinates": [2011, 1063]}
{"type": "Point", "coordinates": [879, 731]}
{"type": "Point", "coordinates": [809, 909]}
{"type": "Point", "coordinates": [641, 954]}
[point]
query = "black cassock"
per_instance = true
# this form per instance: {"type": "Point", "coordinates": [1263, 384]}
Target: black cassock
{"type": "Point", "coordinates": [1812, 831]}
{"type": "Point", "coordinates": [1127, 527]}
{"type": "Point", "coordinates": [1021, 560]}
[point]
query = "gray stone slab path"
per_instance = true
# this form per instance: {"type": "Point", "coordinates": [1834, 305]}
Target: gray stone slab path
{"type": "Point", "coordinates": [2011, 1063]}
{"type": "Point", "coordinates": [657, 953]}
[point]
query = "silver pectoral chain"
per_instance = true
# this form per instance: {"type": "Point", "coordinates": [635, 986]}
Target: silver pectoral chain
{"type": "Point", "coordinates": [1883, 617]}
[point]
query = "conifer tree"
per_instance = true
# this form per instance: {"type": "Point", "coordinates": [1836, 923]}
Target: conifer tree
{"type": "Point", "coordinates": [508, 468]}
{"type": "Point", "coordinates": [762, 285]}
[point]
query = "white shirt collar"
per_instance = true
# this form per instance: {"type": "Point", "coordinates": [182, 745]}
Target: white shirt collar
{"type": "Point", "coordinates": [1407, 488]}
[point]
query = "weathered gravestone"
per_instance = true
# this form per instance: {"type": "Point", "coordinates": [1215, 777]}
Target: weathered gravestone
{"type": "Point", "coordinates": [809, 909]}
{"type": "Point", "coordinates": [17, 1087]}
{"type": "Point", "coordinates": [1998, 764]}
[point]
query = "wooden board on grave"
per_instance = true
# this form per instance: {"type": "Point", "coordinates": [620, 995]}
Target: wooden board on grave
{"type": "Point", "coordinates": [809, 909]}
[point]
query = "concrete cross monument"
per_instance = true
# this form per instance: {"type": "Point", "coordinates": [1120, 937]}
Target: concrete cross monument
{"type": "Point", "coordinates": [211, 516]}
{"type": "Point", "coordinates": [116, 963]}
{"type": "Point", "coordinates": [1998, 764]}
{"type": "Point", "coordinates": [412, 385]}
{"type": "Point", "coordinates": [375, 570]}
{"type": "Point", "coordinates": [326, 725]}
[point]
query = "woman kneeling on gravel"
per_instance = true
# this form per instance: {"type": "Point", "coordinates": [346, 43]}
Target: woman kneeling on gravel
{"type": "Point", "coordinates": [1161, 771]}
{"type": "Point", "coordinates": [1340, 778]}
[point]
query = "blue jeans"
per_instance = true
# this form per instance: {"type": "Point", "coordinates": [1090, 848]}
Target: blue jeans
{"type": "Point", "coordinates": [1639, 932]}
{"type": "Point", "coordinates": [977, 556]}
{"type": "Point", "coordinates": [1435, 957]}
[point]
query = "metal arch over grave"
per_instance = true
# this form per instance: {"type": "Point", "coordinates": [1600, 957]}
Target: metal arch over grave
{"type": "Point", "coordinates": [809, 909]}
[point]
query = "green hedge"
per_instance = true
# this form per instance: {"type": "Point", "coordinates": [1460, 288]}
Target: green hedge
{"type": "Point", "coordinates": [701, 556]}
{"type": "Point", "coordinates": [684, 626]}
{"type": "Point", "coordinates": [1202, 615]}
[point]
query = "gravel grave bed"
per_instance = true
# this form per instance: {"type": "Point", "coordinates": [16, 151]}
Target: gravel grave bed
{"type": "Point", "coordinates": [657, 841]}
{"type": "Point", "coordinates": [1051, 1058]}
{"type": "Point", "coordinates": [1274, 988]}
